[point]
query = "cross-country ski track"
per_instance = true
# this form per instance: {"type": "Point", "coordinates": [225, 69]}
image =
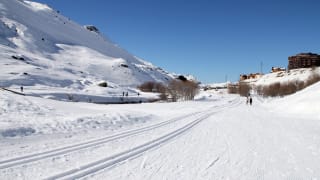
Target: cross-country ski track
{"type": "Point", "coordinates": [179, 125]}
{"type": "Point", "coordinates": [216, 138]}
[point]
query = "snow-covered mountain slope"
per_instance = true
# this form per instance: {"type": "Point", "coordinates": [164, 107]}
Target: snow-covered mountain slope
{"type": "Point", "coordinates": [39, 46]}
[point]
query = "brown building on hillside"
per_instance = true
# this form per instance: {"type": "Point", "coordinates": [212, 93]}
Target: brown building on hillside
{"type": "Point", "coordinates": [277, 69]}
{"type": "Point", "coordinates": [304, 60]}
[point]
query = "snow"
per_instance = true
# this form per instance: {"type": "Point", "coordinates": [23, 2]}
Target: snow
{"type": "Point", "coordinates": [56, 52]}
{"type": "Point", "coordinates": [52, 131]}
{"type": "Point", "coordinates": [38, 6]}
{"type": "Point", "coordinates": [217, 136]}
{"type": "Point", "coordinates": [283, 76]}
{"type": "Point", "coordinates": [305, 103]}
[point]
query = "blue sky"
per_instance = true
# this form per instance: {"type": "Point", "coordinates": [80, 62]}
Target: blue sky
{"type": "Point", "coordinates": [210, 39]}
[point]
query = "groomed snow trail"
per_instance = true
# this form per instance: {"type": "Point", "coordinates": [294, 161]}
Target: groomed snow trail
{"type": "Point", "coordinates": [76, 147]}
{"type": "Point", "coordinates": [53, 164]}
{"type": "Point", "coordinates": [217, 139]}
{"type": "Point", "coordinates": [245, 142]}
{"type": "Point", "coordinates": [94, 167]}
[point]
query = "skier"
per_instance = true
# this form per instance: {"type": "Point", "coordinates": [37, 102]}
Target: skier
{"type": "Point", "coordinates": [250, 100]}
{"type": "Point", "coordinates": [21, 89]}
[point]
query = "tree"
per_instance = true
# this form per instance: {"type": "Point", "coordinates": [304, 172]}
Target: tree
{"type": "Point", "coordinates": [244, 88]}
{"type": "Point", "coordinates": [183, 90]}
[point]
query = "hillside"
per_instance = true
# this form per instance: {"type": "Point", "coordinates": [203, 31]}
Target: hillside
{"type": "Point", "coordinates": [43, 50]}
{"type": "Point", "coordinates": [305, 103]}
{"type": "Point", "coordinates": [293, 75]}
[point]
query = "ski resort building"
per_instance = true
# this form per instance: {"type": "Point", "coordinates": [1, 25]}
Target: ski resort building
{"type": "Point", "coordinates": [303, 60]}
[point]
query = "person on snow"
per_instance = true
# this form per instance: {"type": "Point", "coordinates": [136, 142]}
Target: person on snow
{"type": "Point", "coordinates": [250, 100]}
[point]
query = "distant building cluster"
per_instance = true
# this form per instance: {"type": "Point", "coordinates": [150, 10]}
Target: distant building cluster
{"type": "Point", "coordinates": [303, 60]}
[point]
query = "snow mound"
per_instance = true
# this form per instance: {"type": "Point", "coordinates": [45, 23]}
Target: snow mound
{"type": "Point", "coordinates": [302, 103]}
{"type": "Point", "coordinates": [283, 76]}
{"type": "Point", "coordinates": [25, 116]}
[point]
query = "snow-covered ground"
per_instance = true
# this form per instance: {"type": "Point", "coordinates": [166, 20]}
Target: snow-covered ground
{"type": "Point", "coordinates": [54, 132]}
{"type": "Point", "coordinates": [216, 137]}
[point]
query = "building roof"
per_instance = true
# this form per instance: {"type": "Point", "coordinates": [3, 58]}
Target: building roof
{"type": "Point", "coordinates": [307, 54]}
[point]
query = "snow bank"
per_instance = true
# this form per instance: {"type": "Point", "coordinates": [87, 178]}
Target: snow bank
{"type": "Point", "coordinates": [24, 116]}
{"type": "Point", "coordinates": [283, 77]}
{"type": "Point", "coordinates": [302, 103]}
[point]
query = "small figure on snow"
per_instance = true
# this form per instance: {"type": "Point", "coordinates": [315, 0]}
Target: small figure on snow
{"type": "Point", "coordinates": [250, 100]}
{"type": "Point", "coordinates": [21, 89]}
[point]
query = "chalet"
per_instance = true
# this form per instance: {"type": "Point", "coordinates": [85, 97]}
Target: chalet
{"type": "Point", "coordinates": [303, 60]}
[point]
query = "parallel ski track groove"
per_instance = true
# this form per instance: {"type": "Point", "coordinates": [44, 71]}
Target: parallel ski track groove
{"type": "Point", "coordinates": [94, 167]}
{"type": "Point", "coordinates": [68, 149]}
{"type": "Point", "coordinates": [92, 143]}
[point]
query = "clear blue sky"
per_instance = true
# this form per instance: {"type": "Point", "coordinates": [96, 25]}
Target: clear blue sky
{"type": "Point", "coordinates": [210, 39]}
